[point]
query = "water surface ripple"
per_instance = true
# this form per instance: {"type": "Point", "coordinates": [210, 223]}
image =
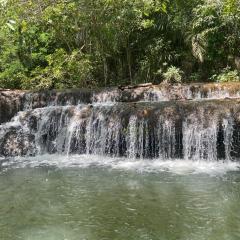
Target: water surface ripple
{"type": "Point", "coordinates": [96, 198]}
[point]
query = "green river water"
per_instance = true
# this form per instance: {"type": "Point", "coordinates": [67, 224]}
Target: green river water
{"type": "Point", "coordinates": [119, 200]}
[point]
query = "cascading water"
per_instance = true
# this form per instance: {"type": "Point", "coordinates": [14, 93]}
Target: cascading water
{"type": "Point", "coordinates": [99, 124]}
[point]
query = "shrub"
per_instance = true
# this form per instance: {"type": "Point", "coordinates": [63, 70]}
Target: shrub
{"type": "Point", "coordinates": [195, 77]}
{"type": "Point", "coordinates": [64, 70]}
{"type": "Point", "coordinates": [173, 75]}
{"type": "Point", "coordinates": [12, 75]}
{"type": "Point", "coordinates": [227, 75]}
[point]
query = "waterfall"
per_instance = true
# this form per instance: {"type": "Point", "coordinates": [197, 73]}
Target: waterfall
{"type": "Point", "coordinates": [99, 123]}
{"type": "Point", "coordinates": [200, 138]}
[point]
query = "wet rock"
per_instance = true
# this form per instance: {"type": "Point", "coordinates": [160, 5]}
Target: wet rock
{"type": "Point", "coordinates": [10, 103]}
{"type": "Point", "coordinates": [17, 143]}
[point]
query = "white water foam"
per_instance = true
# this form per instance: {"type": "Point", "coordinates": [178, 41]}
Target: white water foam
{"type": "Point", "coordinates": [177, 166]}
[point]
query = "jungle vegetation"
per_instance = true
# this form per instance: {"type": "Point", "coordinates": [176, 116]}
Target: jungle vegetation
{"type": "Point", "coordinates": [48, 44]}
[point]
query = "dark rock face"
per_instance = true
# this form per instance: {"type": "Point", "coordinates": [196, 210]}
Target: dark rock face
{"type": "Point", "coordinates": [17, 143]}
{"type": "Point", "coordinates": [11, 102]}
{"type": "Point", "coordinates": [41, 99]}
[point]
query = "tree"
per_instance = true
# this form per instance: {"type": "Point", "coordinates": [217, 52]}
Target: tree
{"type": "Point", "coordinates": [69, 43]}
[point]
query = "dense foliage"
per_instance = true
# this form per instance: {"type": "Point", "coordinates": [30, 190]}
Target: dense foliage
{"type": "Point", "coordinates": [85, 43]}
